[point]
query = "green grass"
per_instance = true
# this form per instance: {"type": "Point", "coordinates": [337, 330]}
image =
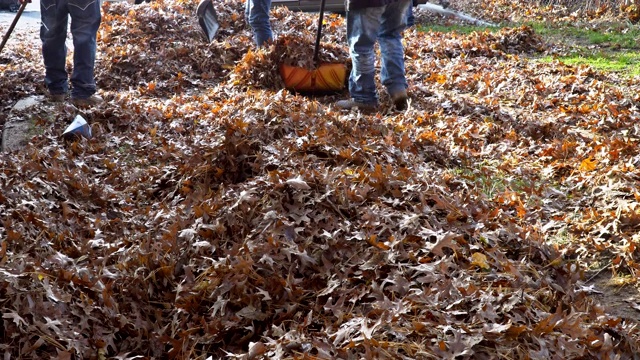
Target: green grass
{"type": "Point", "coordinates": [623, 37]}
{"type": "Point", "coordinates": [627, 63]}
{"type": "Point", "coordinates": [562, 237]}
{"type": "Point", "coordinates": [614, 48]}
{"type": "Point", "coordinates": [603, 49]}
{"type": "Point", "coordinates": [490, 181]}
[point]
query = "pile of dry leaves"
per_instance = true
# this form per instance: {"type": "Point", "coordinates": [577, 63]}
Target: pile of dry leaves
{"type": "Point", "coordinates": [215, 215]}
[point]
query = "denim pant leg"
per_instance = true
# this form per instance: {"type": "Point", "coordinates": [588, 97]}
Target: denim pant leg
{"type": "Point", "coordinates": [53, 33]}
{"type": "Point", "coordinates": [394, 21]}
{"type": "Point", "coordinates": [411, 19]}
{"type": "Point", "coordinates": [258, 13]}
{"type": "Point", "coordinates": [362, 33]}
{"type": "Point", "coordinates": [85, 21]}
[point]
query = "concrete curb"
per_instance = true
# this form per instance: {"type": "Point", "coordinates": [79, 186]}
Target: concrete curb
{"type": "Point", "coordinates": [19, 128]}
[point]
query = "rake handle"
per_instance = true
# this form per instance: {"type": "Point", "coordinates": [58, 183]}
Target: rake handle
{"type": "Point", "coordinates": [316, 51]}
{"type": "Point", "coordinates": [13, 25]}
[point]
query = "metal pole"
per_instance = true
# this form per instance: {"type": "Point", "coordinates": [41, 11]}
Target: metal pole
{"type": "Point", "coordinates": [316, 52]}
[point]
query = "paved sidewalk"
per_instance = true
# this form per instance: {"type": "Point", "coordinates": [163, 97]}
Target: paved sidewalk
{"type": "Point", "coordinates": [16, 129]}
{"type": "Point", "coordinates": [30, 18]}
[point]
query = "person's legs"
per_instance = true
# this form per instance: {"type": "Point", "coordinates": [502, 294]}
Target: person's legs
{"type": "Point", "coordinates": [362, 33]}
{"type": "Point", "coordinates": [85, 21]}
{"type": "Point", "coordinates": [411, 20]}
{"type": "Point", "coordinates": [257, 12]}
{"type": "Point", "coordinates": [393, 72]}
{"type": "Point", "coordinates": [53, 33]}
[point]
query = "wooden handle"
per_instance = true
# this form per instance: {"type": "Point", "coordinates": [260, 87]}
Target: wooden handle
{"type": "Point", "coordinates": [13, 25]}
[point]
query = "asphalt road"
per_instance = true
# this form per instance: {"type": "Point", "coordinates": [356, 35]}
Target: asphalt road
{"type": "Point", "coordinates": [30, 18]}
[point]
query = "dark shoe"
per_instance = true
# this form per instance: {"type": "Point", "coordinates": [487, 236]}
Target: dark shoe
{"type": "Point", "coordinates": [57, 98]}
{"type": "Point", "coordinates": [400, 100]}
{"type": "Point", "coordinates": [350, 104]}
{"type": "Point", "coordinates": [92, 100]}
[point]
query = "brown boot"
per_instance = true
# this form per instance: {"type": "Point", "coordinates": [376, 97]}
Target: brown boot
{"type": "Point", "coordinates": [56, 98]}
{"type": "Point", "coordinates": [350, 104]}
{"type": "Point", "coordinates": [400, 100]}
{"type": "Point", "coordinates": [92, 100]}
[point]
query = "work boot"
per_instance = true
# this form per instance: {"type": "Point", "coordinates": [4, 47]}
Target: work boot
{"type": "Point", "coordinates": [56, 98]}
{"type": "Point", "coordinates": [400, 100]}
{"type": "Point", "coordinates": [92, 100]}
{"type": "Point", "coordinates": [351, 103]}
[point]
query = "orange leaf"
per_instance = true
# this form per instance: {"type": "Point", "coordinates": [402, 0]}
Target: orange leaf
{"type": "Point", "coordinates": [480, 260]}
{"type": "Point", "coordinates": [374, 242]}
{"type": "Point", "coordinates": [588, 164]}
{"type": "Point", "coordinates": [515, 331]}
{"type": "Point", "coordinates": [442, 345]}
{"type": "Point", "coordinates": [521, 210]}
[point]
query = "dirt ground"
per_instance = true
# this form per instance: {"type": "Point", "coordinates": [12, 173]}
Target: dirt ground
{"type": "Point", "coordinates": [620, 295]}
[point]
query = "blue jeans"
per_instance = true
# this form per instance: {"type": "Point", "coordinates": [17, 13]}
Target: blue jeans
{"type": "Point", "coordinates": [257, 14]}
{"type": "Point", "coordinates": [366, 26]}
{"type": "Point", "coordinates": [85, 20]}
{"type": "Point", "coordinates": [411, 19]}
